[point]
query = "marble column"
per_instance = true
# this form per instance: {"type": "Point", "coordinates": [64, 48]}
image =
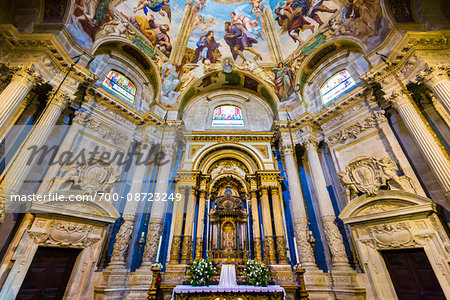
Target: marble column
{"type": "Point", "coordinates": [200, 225]}
{"type": "Point", "coordinates": [298, 211]}
{"type": "Point", "coordinates": [11, 97]}
{"type": "Point", "coordinates": [269, 245]}
{"type": "Point", "coordinates": [426, 142]}
{"type": "Point", "coordinates": [157, 215]}
{"type": "Point", "coordinates": [122, 241]}
{"type": "Point", "coordinates": [256, 226]}
{"type": "Point", "coordinates": [18, 169]}
{"type": "Point", "coordinates": [177, 227]}
{"type": "Point", "coordinates": [186, 252]}
{"type": "Point", "coordinates": [125, 233]}
{"type": "Point", "coordinates": [437, 80]}
{"type": "Point", "coordinates": [279, 228]}
{"type": "Point", "coordinates": [333, 236]}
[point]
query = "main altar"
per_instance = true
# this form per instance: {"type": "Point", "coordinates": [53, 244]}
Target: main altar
{"type": "Point", "coordinates": [228, 289]}
{"type": "Point", "coordinates": [238, 219]}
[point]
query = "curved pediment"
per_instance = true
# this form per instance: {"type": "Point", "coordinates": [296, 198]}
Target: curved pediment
{"type": "Point", "coordinates": [384, 204]}
{"type": "Point", "coordinates": [101, 211]}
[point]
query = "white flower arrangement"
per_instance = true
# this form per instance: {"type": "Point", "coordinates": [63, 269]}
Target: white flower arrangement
{"type": "Point", "coordinates": [200, 272]}
{"type": "Point", "coordinates": [256, 273]}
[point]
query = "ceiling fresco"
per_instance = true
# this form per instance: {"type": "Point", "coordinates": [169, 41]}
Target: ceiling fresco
{"type": "Point", "coordinates": [213, 18]}
{"type": "Point", "coordinates": [229, 35]}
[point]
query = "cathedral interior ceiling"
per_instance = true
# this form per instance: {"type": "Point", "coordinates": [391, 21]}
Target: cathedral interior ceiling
{"type": "Point", "coordinates": [191, 42]}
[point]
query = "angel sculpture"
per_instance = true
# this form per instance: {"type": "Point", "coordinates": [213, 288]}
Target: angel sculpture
{"type": "Point", "coordinates": [160, 6]}
{"type": "Point", "coordinates": [362, 17]}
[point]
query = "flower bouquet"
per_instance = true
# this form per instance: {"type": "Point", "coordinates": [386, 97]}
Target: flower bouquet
{"type": "Point", "coordinates": [200, 272]}
{"type": "Point", "coordinates": [256, 273]}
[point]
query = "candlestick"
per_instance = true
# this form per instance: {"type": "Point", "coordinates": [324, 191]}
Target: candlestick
{"type": "Point", "coordinates": [296, 250]}
{"type": "Point", "coordinates": [159, 248]}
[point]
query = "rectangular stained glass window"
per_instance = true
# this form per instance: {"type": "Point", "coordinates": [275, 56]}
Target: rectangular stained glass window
{"type": "Point", "coordinates": [227, 115]}
{"type": "Point", "coordinates": [120, 85]}
{"type": "Point", "coordinates": [336, 86]}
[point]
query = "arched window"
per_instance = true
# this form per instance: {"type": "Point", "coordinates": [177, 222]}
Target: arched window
{"type": "Point", "coordinates": [120, 85]}
{"type": "Point", "coordinates": [227, 115]}
{"type": "Point", "coordinates": [336, 86]}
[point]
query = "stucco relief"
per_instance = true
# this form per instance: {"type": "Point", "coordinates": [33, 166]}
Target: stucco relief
{"type": "Point", "coordinates": [367, 175]}
{"type": "Point", "coordinates": [91, 177]}
{"type": "Point", "coordinates": [228, 167]}
{"type": "Point", "coordinates": [64, 233]}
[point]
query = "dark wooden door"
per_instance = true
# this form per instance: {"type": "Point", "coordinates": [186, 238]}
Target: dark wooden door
{"type": "Point", "coordinates": [48, 274]}
{"type": "Point", "coordinates": [412, 275]}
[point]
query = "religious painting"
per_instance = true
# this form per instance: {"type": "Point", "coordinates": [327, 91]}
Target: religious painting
{"type": "Point", "coordinates": [336, 85]}
{"type": "Point", "coordinates": [306, 24]}
{"type": "Point", "coordinates": [227, 115]}
{"type": "Point", "coordinates": [299, 20]}
{"type": "Point", "coordinates": [156, 20]}
{"type": "Point", "coordinates": [233, 31]}
{"type": "Point", "coordinates": [120, 85]}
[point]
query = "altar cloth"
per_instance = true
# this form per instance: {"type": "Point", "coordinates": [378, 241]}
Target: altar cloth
{"type": "Point", "coordinates": [228, 276]}
{"type": "Point", "coordinates": [185, 289]}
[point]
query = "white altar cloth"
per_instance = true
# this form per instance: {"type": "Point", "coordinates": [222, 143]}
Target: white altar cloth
{"type": "Point", "coordinates": [227, 284]}
{"type": "Point", "coordinates": [228, 276]}
{"type": "Point", "coordinates": [185, 289]}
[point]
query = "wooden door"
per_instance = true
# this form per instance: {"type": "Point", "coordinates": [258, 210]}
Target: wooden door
{"type": "Point", "coordinates": [412, 275]}
{"type": "Point", "coordinates": [48, 274]}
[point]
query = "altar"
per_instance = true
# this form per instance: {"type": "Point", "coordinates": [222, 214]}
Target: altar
{"type": "Point", "coordinates": [228, 289]}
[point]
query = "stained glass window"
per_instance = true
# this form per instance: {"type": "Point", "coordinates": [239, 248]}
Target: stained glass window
{"type": "Point", "coordinates": [227, 115]}
{"type": "Point", "coordinates": [336, 85]}
{"type": "Point", "coordinates": [120, 85]}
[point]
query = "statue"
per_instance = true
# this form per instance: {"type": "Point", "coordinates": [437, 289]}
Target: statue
{"type": "Point", "coordinates": [350, 187]}
{"type": "Point", "coordinates": [389, 171]}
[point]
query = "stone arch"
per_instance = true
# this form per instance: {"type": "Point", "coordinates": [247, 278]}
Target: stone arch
{"type": "Point", "coordinates": [209, 155]}
{"type": "Point", "coordinates": [221, 80]}
{"type": "Point", "coordinates": [133, 58]}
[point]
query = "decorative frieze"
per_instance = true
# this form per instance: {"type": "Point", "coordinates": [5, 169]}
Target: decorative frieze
{"type": "Point", "coordinates": [63, 233]}
{"type": "Point", "coordinates": [374, 119]}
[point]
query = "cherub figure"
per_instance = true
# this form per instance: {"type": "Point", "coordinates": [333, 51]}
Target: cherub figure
{"type": "Point", "coordinates": [197, 4]}
{"type": "Point", "coordinates": [349, 185]}
{"type": "Point", "coordinates": [389, 169]}
{"type": "Point", "coordinates": [160, 6]}
{"type": "Point", "coordinates": [256, 7]}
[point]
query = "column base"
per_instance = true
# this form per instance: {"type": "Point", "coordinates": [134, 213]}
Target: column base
{"type": "Point", "coordinates": [175, 274]}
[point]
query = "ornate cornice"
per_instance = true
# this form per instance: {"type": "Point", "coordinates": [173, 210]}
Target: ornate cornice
{"type": "Point", "coordinates": [351, 132]}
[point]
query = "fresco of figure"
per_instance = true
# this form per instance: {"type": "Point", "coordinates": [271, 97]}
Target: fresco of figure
{"type": "Point", "coordinates": [160, 6]}
{"type": "Point", "coordinates": [197, 4]}
{"type": "Point", "coordinates": [170, 84]}
{"type": "Point", "coordinates": [248, 24]}
{"type": "Point", "coordinates": [256, 10]}
{"type": "Point", "coordinates": [207, 48]}
{"type": "Point", "coordinates": [88, 17]}
{"type": "Point", "coordinates": [292, 21]}
{"type": "Point", "coordinates": [362, 17]}
{"type": "Point", "coordinates": [156, 33]}
{"type": "Point", "coordinates": [238, 41]}
{"type": "Point", "coordinates": [203, 22]}
{"type": "Point", "coordinates": [284, 86]}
